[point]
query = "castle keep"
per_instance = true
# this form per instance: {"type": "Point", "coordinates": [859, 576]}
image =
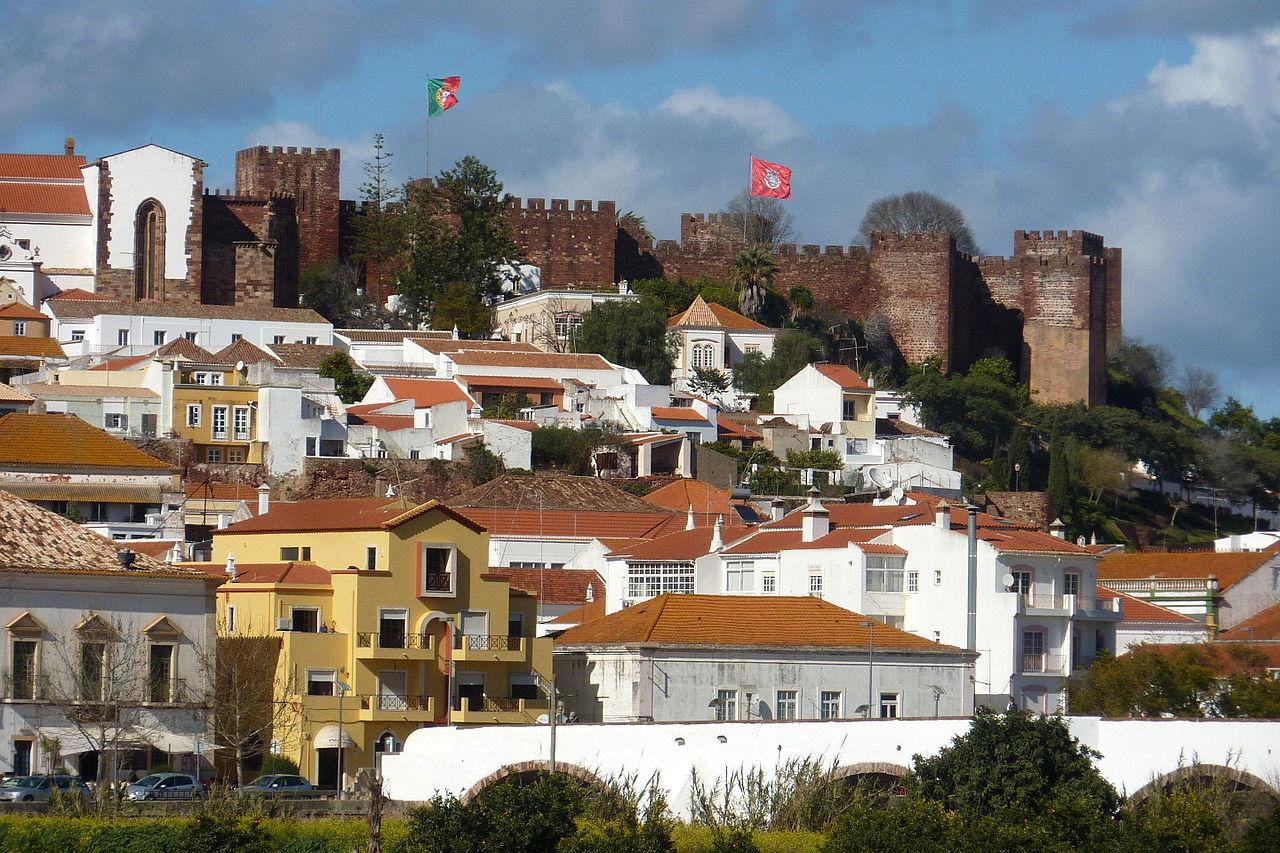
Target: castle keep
{"type": "Point", "coordinates": [1049, 307]}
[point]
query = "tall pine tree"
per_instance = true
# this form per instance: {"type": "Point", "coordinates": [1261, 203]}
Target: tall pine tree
{"type": "Point", "coordinates": [1059, 489]}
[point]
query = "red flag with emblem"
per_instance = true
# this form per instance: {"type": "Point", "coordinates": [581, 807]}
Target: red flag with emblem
{"type": "Point", "coordinates": [772, 180]}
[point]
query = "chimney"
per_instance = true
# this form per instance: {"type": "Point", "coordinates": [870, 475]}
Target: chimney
{"type": "Point", "coordinates": [1236, 544]}
{"type": "Point", "coordinates": [942, 515]}
{"type": "Point", "coordinates": [815, 521]}
{"type": "Point", "coordinates": [126, 558]}
{"type": "Point", "coordinates": [175, 553]}
{"type": "Point", "coordinates": [688, 524]}
{"type": "Point", "coordinates": [455, 331]}
{"type": "Point", "coordinates": [971, 580]}
{"type": "Point", "coordinates": [591, 592]}
{"type": "Point", "coordinates": [231, 565]}
{"type": "Point", "coordinates": [264, 499]}
{"type": "Point", "coordinates": [1058, 529]}
{"type": "Point", "coordinates": [223, 520]}
{"type": "Point", "coordinates": [717, 542]}
{"type": "Point", "coordinates": [776, 509]}
{"type": "Point", "coordinates": [69, 146]}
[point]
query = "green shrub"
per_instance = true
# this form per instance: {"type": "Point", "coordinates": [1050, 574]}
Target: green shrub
{"type": "Point", "coordinates": [700, 839]}
{"type": "Point", "coordinates": [278, 764]}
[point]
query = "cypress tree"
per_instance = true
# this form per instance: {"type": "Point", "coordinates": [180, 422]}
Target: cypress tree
{"type": "Point", "coordinates": [1059, 476]}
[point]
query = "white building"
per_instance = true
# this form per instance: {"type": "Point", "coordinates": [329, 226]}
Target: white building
{"type": "Point", "coordinates": [1220, 588]}
{"type": "Point", "coordinates": [1145, 622]}
{"type": "Point", "coordinates": [86, 628]}
{"type": "Point", "coordinates": [697, 657]}
{"type": "Point", "coordinates": [45, 210]}
{"type": "Point", "coordinates": [713, 337]}
{"type": "Point", "coordinates": [549, 318]}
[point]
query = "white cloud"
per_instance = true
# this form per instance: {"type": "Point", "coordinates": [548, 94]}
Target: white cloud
{"type": "Point", "coordinates": [355, 150]}
{"type": "Point", "coordinates": [1240, 71]}
{"type": "Point", "coordinates": [767, 121]}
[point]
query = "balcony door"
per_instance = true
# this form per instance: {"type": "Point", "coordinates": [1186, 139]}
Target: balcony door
{"type": "Point", "coordinates": [1033, 659]}
{"type": "Point", "coordinates": [392, 628]}
{"type": "Point", "coordinates": [392, 690]}
{"type": "Point", "coordinates": [475, 623]}
{"type": "Point", "coordinates": [470, 689]}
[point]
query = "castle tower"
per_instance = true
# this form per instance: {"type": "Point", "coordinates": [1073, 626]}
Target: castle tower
{"type": "Point", "coordinates": [311, 176]}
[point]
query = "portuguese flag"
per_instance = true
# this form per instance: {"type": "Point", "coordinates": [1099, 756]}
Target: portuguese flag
{"type": "Point", "coordinates": [442, 93]}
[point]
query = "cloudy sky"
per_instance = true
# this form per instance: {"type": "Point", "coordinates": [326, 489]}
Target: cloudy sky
{"type": "Point", "coordinates": [1152, 122]}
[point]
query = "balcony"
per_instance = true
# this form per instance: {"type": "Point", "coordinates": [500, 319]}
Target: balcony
{"type": "Point", "coordinates": [1094, 609]}
{"type": "Point", "coordinates": [490, 710]}
{"type": "Point", "coordinates": [386, 645]}
{"type": "Point", "coordinates": [437, 583]}
{"type": "Point", "coordinates": [1043, 664]}
{"type": "Point", "coordinates": [1042, 603]}
{"type": "Point", "coordinates": [379, 707]}
{"type": "Point", "coordinates": [20, 687]}
{"type": "Point", "coordinates": [490, 648]}
{"type": "Point", "coordinates": [172, 691]}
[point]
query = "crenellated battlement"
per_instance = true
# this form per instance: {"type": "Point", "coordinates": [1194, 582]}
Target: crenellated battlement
{"type": "Point", "coordinates": [280, 151]}
{"type": "Point", "coordinates": [1049, 242]}
{"type": "Point", "coordinates": [560, 205]}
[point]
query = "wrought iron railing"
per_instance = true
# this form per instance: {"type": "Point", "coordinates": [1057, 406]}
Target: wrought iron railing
{"type": "Point", "coordinates": [392, 702]}
{"type": "Point", "coordinates": [488, 704]}
{"type": "Point", "coordinates": [21, 685]}
{"type": "Point", "coordinates": [488, 642]}
{"type": "Point", "coordinates": [392, 640]}
{"type": "Point", "coordinates": [437, 582]}
{"type": "Point", "coordinates": [1040, 662]}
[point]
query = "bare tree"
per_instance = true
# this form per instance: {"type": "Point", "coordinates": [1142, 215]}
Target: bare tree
{"type": "Point", "coordinates": [918, 213]}
{"type": "Point", "coordinates": [1099, 470]}
{"type": "Point", "coordinates": [1200, 390]}
{"type": "Point", "coordinates": [761, 221]}
{"type": "Point", "coordinates": [1149, 365]}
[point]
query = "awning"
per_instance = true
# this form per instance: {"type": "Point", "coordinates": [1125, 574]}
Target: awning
{"type": "Point", "coordinates": [89, 492]}
{"type": "Point", "coordinates": [327, 738]}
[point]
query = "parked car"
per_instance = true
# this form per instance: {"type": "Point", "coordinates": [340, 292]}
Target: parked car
{"type": "Point", "coordinates": [165, 786]}
{"type": "Point", "coordinates": [279, 785]}
{"type": "Point", "coordinates": [39, 789]}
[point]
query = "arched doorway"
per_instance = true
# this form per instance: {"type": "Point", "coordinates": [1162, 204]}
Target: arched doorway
{"type": "Point", "coordinates": [148, 251]}
{"type": "Point", "coordinates": [527, 771]}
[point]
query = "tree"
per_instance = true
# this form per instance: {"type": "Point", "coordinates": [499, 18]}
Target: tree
{"type": "Point", "coordinates": [505, 818]}
{"type": "Point", "coordinates": [760, 220]}
{"type": "Point", "coordinates": [1059, 487]}
{"type": "Point", "coordinates": [1200, 390]}
{"type": "Point", "coordinates": [1099, 470]}
{"type": "Point", "coordinates": [918, 213]}
{"type": "Point", "coordinates": [459, 306]}
{"type": "Point", "coordinates": [350, 384]}
{"type": "Point", "coordinates": [633, 334]}
{"type": "Point", "coordinates": [801, 299]}
{"type": "Point", "coordinates": [753, 273]}
{"type": "Point", "coordinates": [1012, 766]}
{"type": "Point", "coordinates": [977, 409]}
{"type": "Point", "coordinates": [329, 289]}
{"type": "Point", "coordinates": [1148, 366]}
{"type": "Point", "coordinates": [483, 464]}
{"type": "Point", "coordinates": [506, 406]}
{"type": "Point", "coordinates": [380, 234]}
{"type": "Point", "coordinates": [1019, 456]}
{"type": "Point", "coordinates": [569, 450]}
{"type": "Point", "coordinates": [1146, 681]}
{"type": "Point", "coordinates": [707, 381]}
{"type": "Point", "coordinates": [760, 376]}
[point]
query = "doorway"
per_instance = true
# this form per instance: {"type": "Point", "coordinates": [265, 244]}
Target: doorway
{"type": "Point", "coordinates": [327, 768]}
{"type": "Point", "coordinates": [87, 765]}
{"type": "Point", "coordinates": [471, 691]}
{"type": "Point", "coordinates": [22, 757]}
{"type": "Point", "coordinates": [392, 691]}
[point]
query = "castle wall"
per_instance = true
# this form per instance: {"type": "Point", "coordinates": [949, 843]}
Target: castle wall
{"type": "Point", "coordinates": [912, 287]}
{"type": "Point", "coordinates": [571, 243]}
{"type": "Point", "coordinates": [310, 175]}
{"type": "Point", "coordinates": [250, 255]}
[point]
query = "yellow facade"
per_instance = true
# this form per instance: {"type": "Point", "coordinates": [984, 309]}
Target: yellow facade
{"type": "Point", "coordinates": [388, 627]}
{"type": "Point", "coordinates": [863, 405]}
{"type": "Point", "coordinates": [220, 419]}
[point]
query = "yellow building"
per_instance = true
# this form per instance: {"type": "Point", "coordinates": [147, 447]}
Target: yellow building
{"type": "Point", "coordinates": [379, 596]}
{"type": "Point", "coordinates": [215, 407]}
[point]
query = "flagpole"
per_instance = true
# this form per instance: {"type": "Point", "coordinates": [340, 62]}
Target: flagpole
{"type": "Point", "coordinates": [427, 154]}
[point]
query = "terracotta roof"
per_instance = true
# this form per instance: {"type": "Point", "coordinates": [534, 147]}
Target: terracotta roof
{"type": "Point", "coordinates": [897, 426]}
{"type": "Point", "coordinates": [678, 413]}
{"type": "Point", "coordinates": [18, 311]}
{"type": "Point", "coordinates": [305, 355]}
{"type": "Point", "coordinates": [682, 545]}
{"type": "Point", "coordinates": [57, 390]}
{"type": "Point", "coordinates": [67, 491]}
{"type": "Point", "coordinates": [157, 549]}
{"type": "Point", "coordinates": [385, 336]}
{"type": "Point", "coordinates": [224, 492]}
{"type": "Point", "coordinates": [1263, 625]}
{"type": "Point", "coordinates": [1031, 542]}
{"type": "Point", "coordinates": [387, 423]}
{"type": "Point", "coordinates": [52, 199]}
{"type": "Point", "coordinates": [293, 573]}
{"type": "Point", "coordinates": [518, 382]}
{"type": "Point", "coordinates": [10, 394]}
{"type": "Point", "coordinates": [553, 492]}
{"type": "Point", "coordinates": [243, 350]}
{"type": "Point", "coordinates": [554, 586]}
{"type": "Point", "coordinates": [63, 441]}
{"type": "Point", "coordinates": [1228, 568]}
{"type": "Point", "coordinates": [76, 294]}
{"type": "Point", "coordinates": [536, 359]}
{"type": "Point", "coordinates": [843, 376]}
{"type": "Point", "coordinates": [773, 541]}
{"type": "Point", "coordinates": [683, 493]}
{"type": "Point", "coordinates": [635, 439]}
{"type": "Point", "coordinates": [48, 167]}
{"type": "Point", "coordinates": [36, 540]}
{"type": "Point", "coordinates": [588, 612]}
{"type": "Point", "coordinates": [701, 313]}
{"type": "Point", "coordinates": [426, 393]}
{"type": "Point", "coordinates": [729, 428]}
{"type": "Point", "coordinates": [744, 621]}
{"type": "Point", "coordinates": [322, 515]}
{"type": "Point", "coordinates": [563, 524]}
{"type": "Point", "coordinates": [449, 345]}
{"type": "Point", "coordinates": [1137, 609]}
{"type": "Point", "coordinates": [85, 309]}
{"type": "Point", "coordinates": [182, 347]}
{"type": "Point", "coordinates": [123, 363]}
{"type": "Point", "coordinates": [527, 426]}
{"type": "Point", "coordinates": [29, 347]}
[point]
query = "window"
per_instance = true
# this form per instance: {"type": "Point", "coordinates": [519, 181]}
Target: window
{"type": "Point", "coordinates": [386, 743]}
{"type": "Point", "coordinates": [305, 619]}
{"type": "Point", "coordinates": [392, 628]}
{"type": "Point", "coordinates": [157, 337]}
{"type": "Point", "coordinates": [784, 706]}
{"type": "Point", "coordinates": [219, 423]}
{"type": "Point", "coordinates": [115, 420]}
{"type": "Point", "coordinates": [24, 670]}
{"type": "Point", "coordinates": [740, 577]}
{"type": "Point", "coordinates": [567, 324]}
{"type": "Point", "coordinates": [160, 674]}
{"type": "Point", "coordinates": [235, 336]}
{"type": "Point", "coordinates": [277, 339]}
{"type": "Point", "coordinates": [726, 705]}
{"type": "Point", "coordinates": [515, 624]}
{"type": "Point", "coordinates": [1075, 648]}
{"type": "Point", "coordinates": [415, 454]}
{"type": "Point", "coordinates": [829, 704]}
{"type": "Point", "coordinates": [19, 327]}
{"type": "Point", "coordinates": [122, 337]}
{"type": "Point", "coordinates": [913, 581]}
{"type": "Point", "coordinates": [213, 454]}
{"type": "Point", "coordinates": [231, 618]}
{"type": "Point", "coordinates": [524, 686]}
{"type": "Point", "coordinates": [888, 706]}
{"type": "Point", "coordinates": [289, 554]}
{"type": "Point", "coordinates": [77, 335]}
{"type": "Point", "coordinates": [1071, 583]}
{"type": "Point", "coordinates": [194, 410]}
{"type": "Point", "coordinates": [191, 336]}
{"type": "Point", "coordinates": [320, 682]}
{"type": "Point", "coordinates": [1022, 585]}
{"type": "Point", "coordinates": [645, 580]}
{"type": "Point", "coordinates": [148, 251]}
{"type": "Point", "coordinates": [937, 636]}
{"type": "Point", "coordinates": [371, 558]}
{"type": "Point", "coordinates": [769, 582]}
{"type": "Point", "coordinates": [312, 339]}
{"type": "Point", "coordinates": [1033, 658]}
{"type": "Point", "coordinates": [438, 564]}
{"type": "Point", "coordinates": [704, 355]}
{"type": "Point", "coordinates": [236, 455]}
{"type": "Point", "coordinates": [207, 377]}
{"type": "Point", "coordinates": [311, 445]}
{"type": "Point", "coordinates": [240, 422]}
{"type": "Point", "coordinates": [815, 585]}
{"type": "Point", "coordinates": [850, 410]}
{"type": "Point", "coordinates": [884, 574]}
{"type": "Point", "coordinates": [93, 660]}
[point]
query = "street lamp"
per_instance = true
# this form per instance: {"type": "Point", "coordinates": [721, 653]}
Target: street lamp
{"type": "Point", "coordinates": [1017, 470]}
{"type": "Point", "coordinates": [343, 689]}
{"type": "Point", "coordinates": [870, 625]}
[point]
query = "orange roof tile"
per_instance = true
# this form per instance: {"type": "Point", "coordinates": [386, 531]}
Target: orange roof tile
{"type": "Point", "coordinates": [1263, 625]}
{"type": "Point", "coordinates": [292, 573]}
{"type": "Point", "coordinates": [588, 612]}
{"type": "Point", "coordinates": [245, 351]}
{"type": "Point", "coordinates": [1030, 542]}
{"type": "Point", "coordinates": [678, 413]}
{"type": "Point", "coordinates": [701, 313]}
{"type": "Point", "coordinates": [554, 586]}
{"type": "Point", "coordinates": [515, 382]}
{"type": "Point", "coordinates": [683, 544]}
{"type": "Point", "coordinates": [426, 393]}
{"type": "Point", "coordinates": [63, 441]}
{"type": "Point", "coordinates": [246, 492]}
{"type": "Point", "coordinates": [10, 394]}
{"type": "Point", "coordinates": [184, 348]}
{"type": "Point", "coordinates": [48, 167]}
{"type": "Point", "coordinates": [740, 621]}
{"type": "Point", "coordinates": [500, 521]}
{"type": "Point", "coordinates": [387, 423]}
{"type": "Point", "coordinates": [684, 493]}
{"type": "Point", "coordinates": [1140, 610]}
{"type": "Point", "coordinates": [843, 376]}
{"type": "Point", "coordinates": [729, 428]}
{"type": "Point", "coordinates": [448, 345]}
{"type": "Point", "coordinates": [27, 347]}
{"type": "Point", "coordinates": [527, 426]}
{"type": "Point", "coordinates": [76, 294]}
{"type": "Point", "coordinates": [18, 311]}
{"type": "Point", "coordinates": [773, 541]}
{"type": "Point", "coordinates": [307, 356]}
{"type": "Point", "coordinates": [157, 549]}
{"type": "Point", "coordinates": [319, 515]}
{"type": "Point", "coordinates": [537, 359]}
{"type": "Point", "coordinates": [1229, 568]}
{"type": "Point", "coordinates": [123, 363]}
{"type": "Point", "coordinates": [57, 390]}
{"type": "Point", "coordinates": [53, 199]}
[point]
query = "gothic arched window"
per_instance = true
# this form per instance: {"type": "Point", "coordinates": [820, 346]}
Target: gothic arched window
{"type": "Point", "coordinates": [148, 251]}
{"type": "Point", "coordinates": [704, 355]}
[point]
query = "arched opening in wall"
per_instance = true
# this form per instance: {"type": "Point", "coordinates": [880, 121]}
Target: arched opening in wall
{"type": "Point", "coordinates": [148, 251]}
{"type": "Point", "coordinates": [1243, 796]}
{"type": "Point", "coordinates": [871, 777]}
{"type": "Point", "coordinates": [527, 772]}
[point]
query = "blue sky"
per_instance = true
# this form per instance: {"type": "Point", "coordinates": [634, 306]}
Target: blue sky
{"type": "Point", "coordinates": [1153, 122]}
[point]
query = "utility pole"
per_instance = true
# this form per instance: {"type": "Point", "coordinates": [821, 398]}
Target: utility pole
{"type": "Point", "coordinates": [870, 625]}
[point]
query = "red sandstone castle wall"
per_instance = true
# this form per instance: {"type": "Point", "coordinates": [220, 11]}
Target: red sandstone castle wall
{"type": "Point", "coordinates": [311, 177]}
{"type": "Point", "coordinates": [250, 251]}
{"type": "Point", "coordinates": [572, 244]}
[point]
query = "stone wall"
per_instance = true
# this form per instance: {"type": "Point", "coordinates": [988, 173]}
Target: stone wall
{"type": "Point", "coordinates": [250, 250]}
{"type": "Point", "coordinates": [418, 480]}
{"type": "Point", "coordinates": [572, 243]}
{"type": "Point", "coordinates": [310, 176]}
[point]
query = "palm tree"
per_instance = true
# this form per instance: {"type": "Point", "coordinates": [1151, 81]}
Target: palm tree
{"type": "Point", "coordinates": [753, 271]}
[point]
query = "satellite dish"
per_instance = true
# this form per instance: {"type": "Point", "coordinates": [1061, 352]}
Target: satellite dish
{"type": "Point", "coordinates": [897, 494]}
{"type": "Point", "coordinates": [1007, 580]}
{"type": "Point", "coordinates": [1081, 541]}
{"type": "Point", "coordinates": [239, 366]}
{"type": "Point", "coordinates": [542, 720]}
